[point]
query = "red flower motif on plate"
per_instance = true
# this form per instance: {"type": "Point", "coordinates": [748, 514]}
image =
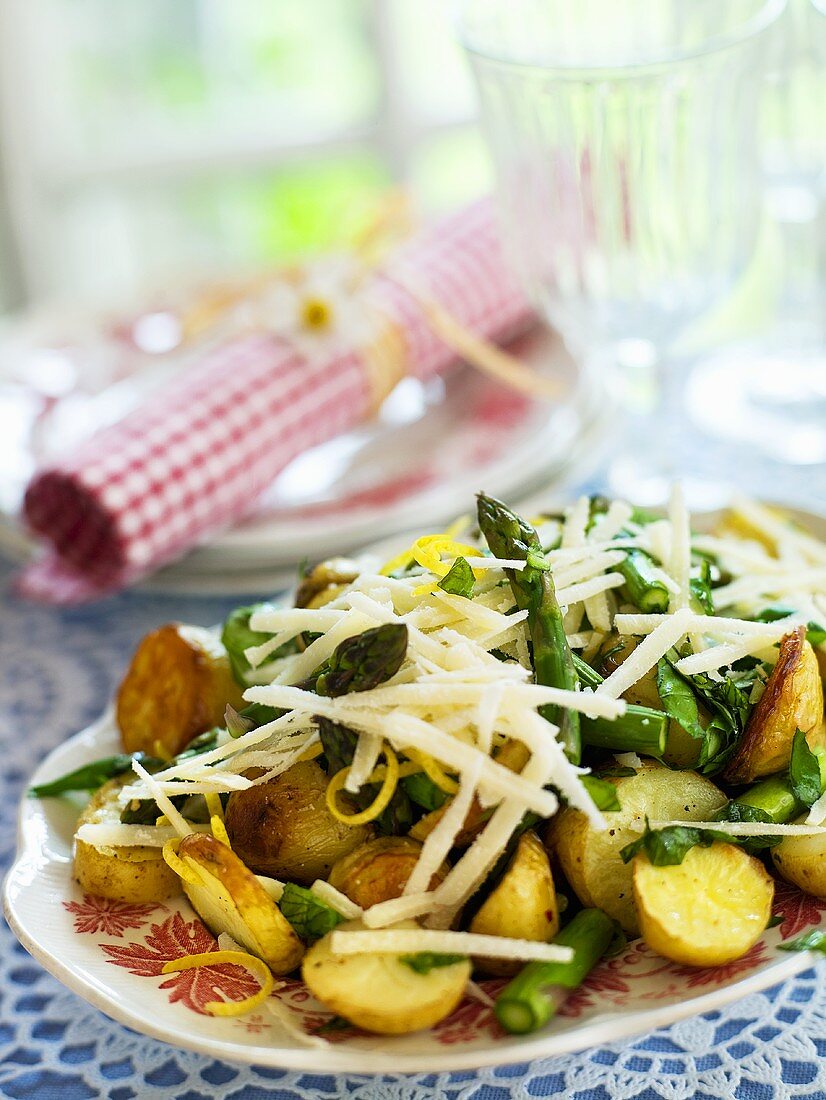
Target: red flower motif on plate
{"type": "Point", "coordinates": [798, 910]}
{"type": "Point", "coordinates": [718, 975]}
{"type": "Point", "coordinates": [95, 914]}
{"type": "Point", "coordinates": [172, 939]}
{"type": "Point", "coordinates": [471, 1020]}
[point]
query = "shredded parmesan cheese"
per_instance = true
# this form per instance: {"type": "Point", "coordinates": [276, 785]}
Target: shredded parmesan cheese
{"type": "Point", "coordinates": [403, 941]}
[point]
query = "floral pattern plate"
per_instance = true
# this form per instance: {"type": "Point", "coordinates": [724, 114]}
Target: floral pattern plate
{"type": "Point", "coordinates": [112, 954]}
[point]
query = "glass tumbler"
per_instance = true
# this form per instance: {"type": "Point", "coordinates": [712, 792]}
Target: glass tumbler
{"type": "Point", "coordinates": [624, 138]}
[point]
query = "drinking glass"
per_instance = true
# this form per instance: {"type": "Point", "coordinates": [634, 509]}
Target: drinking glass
{"type": "Point", "coordinates": [624, 137]}
{"type": "Point", "coordinates": [773, 385]}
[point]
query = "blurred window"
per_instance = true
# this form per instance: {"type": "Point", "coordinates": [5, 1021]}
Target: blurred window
{"type": "Point", "coordinates": [145, 140]}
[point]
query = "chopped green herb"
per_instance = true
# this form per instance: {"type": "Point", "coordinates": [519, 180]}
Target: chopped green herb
{"type": "Point", "coordinates": [309, 915]}
{"type": "Point", "coordinates": [809, 941]}
{"type": "Point", "coordinates": [91, 776]}
{"type": "Point", "coordinates": [668, 847]}
{"type": "Point", "coordinates": [804, 771]}
{"type": "Point", "coordinates": [423, 791]}
{"type": "Point", "coordinates": [459, 579]}
{"type": "Point", "coordinates": [425, 961]}
{"type": "Point", "coordinates": [603, 793]}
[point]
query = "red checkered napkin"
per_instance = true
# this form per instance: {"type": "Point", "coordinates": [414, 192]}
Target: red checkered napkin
{"type": "Point", "coordinates": [194, 458]}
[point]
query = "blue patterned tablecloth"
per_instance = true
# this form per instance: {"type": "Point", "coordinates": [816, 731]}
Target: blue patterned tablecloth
{"type": "Point", "coordinates": [57, 670]}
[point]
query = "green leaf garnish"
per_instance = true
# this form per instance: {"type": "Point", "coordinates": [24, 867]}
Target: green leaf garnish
{"type": "Point", "coordinates": [423, 791]}
{"type": "Point", "coordinates": [804, 771]}
{"type": "Point", "coordinates": [459, 579]}
{"type": "Point", "coordinates": [603, 794]}
{"type": "Point", "coordinates": [238, 637]}
{"type": "Point", "coordinates": [425, 961]}
{"type": "Point", "coordinates": [809, 941]}
{"type": "Point", "coordinates": [310, 917]}
{"type": "Point", "coordinates": [91, 776]}
{"type": "Point", "coordinates": [668, 847]}
{"type": "Point", "coordinates": [678, 699]}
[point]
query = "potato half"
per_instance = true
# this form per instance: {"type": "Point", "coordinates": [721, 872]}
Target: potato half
{"type": "Point", "coordinates": [132, 874]}
{"type": "Point", "coordinates": [791, 701]}
{"type": "Point", "coordinates": [283, 828]}
{"type": "Point", "coordinates": [379, 992]}
{"type": "Point", "coordinates": [589, 857]}
{"type": "Point", "coordinates": [177, 686]}
{"type": "Point", "coordinates": [523, 904]}
{"type": "Point", "coordinates": [378, 870]}
{"type": "Point", "coordinates": [325, 582]}
{"type": "Point", "coordinates": [229, 898]}
{"type": "Point", "coordinates": [801, 860]}
{"type": "Point", "coordinates": [706, 911]}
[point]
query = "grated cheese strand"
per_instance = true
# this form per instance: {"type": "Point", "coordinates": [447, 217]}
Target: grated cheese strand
{"type": "Point", "coordinates": [165, 805]}
{"type": "Point", "coordinates": [403, 941]}
{"type": "Point", "coordinates": [336, 900]}
{"type": "Point", "coordinates": [647, 653]}
{"type": "Point", "coordinates": [748, 828]}
{"type": "Point", "coordinates": [680, 557]}
{"type": "Point", "coordinates": [443, 836]}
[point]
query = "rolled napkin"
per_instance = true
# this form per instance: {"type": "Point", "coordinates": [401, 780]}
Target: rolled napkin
{"type": "Point", "coordinates": [195, 457]}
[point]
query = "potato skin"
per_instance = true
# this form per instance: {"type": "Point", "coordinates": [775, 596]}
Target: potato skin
{"type": "Point", "coordinates": [590, 859]}
{"type": "Point", "coordinates": [523, 905]}
{"type": "Point", "coordinates": [137, 875]}
{"type": "Point", "coordinates": [283, 828]}
{"type": "Point", "coordinates": [706, 911]}
{"type": "Point", "coordinates": [229, 898]}
{"type": "Point", "coordinates": [791, 701]}
{"type": "Point", "coordinates": [378, 870]}
{"type": "Point", "coordinates": [177, 686]}
{"type": "Point", "coordinates": [380, 993]}
{"type": "Point", "coordinates": [801, 860]}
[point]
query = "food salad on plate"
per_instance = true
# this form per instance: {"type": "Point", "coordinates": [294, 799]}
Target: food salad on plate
{"type": "Point", "coordinates": [501, 753]}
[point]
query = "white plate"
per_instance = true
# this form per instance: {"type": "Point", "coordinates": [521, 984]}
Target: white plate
{"type": "Point", "coordinates": [429, 449]}
{"type": "Point", "coordinates": [86, 942]}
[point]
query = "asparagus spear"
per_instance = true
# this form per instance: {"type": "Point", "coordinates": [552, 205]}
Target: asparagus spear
{"type": "Point", "coordinates": [645, 589]}
{"type": "Point", "coordinates": [509, 536]}
{"type": "Point", "coordinates": [772, 797]}
{"type": "Point", "coordinates": [364, 661]}
{"type": "Point", "coordinates": [534, 995]}
{"type": "Point", "coordinates": [640, 729]}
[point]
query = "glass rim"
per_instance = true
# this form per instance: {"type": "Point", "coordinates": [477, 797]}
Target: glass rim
{"type": "Point", "coordinates": [764, 18]}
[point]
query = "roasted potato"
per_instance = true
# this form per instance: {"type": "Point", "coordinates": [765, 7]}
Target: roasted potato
{"type": "Point", "coordinates": [379, 992]}
{"type": "Point", "coordinates": [801, 860]}
{"type": "Point", "coordinates": [229, 898]}
{"type": "Point", "coordinates": [325, 582]}
{"type": "Point", "coordinates": [378, 870]}
{"type": "Point", "coordinates": [792, 700]}
{"type": "Point", "coordinates": [131, 874]}
{"type": "Point", "coordinates": [523, 904]}
{"type": "Point", "coordinates": [177, 686]}
{"type": "Point", "coordinates": [590, 857]}
{"type": "Point", "coordinates": [283, 828]}
{"type": "Point", "coordinates": [706, 911]}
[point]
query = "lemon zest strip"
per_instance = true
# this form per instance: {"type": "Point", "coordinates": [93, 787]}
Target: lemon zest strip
{"type": "Point", "coordinates": [259, 970]}
{"type": "Point", "coordinates": [381, 801]}
{"type": "Point", "coordinates": [214, 806]}
{"type": "Point", "coordinates": [434, 771]}
{"type": "Point", "coordinates": [176, 864]}
{"type": "Point", "coordinates": [219, 830]}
